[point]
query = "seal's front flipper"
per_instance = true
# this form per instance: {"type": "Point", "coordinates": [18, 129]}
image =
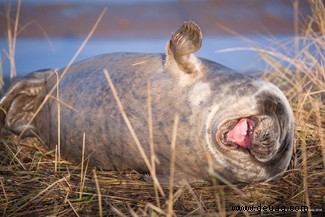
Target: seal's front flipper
{"type": "Point", "coordinates": [184, 42]}
{"type": "Point", "coordinates": [17, 105]}
{"type": "Point", "coordinates": [179, 179]}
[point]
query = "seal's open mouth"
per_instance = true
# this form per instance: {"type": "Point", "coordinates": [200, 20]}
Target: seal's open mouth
{"type": "Point", "coordinates": [241, 134]}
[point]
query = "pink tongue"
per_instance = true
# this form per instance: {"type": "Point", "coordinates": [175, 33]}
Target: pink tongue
{"type": "Point", "coordinates": [240, 133]}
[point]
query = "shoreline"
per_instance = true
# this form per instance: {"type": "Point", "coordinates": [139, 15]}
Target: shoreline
{"type": "Point", "coordinates": [158, 19]}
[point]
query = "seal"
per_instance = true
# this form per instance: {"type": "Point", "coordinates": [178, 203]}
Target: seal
{"type": "Point", "coordinates": [236, 125]}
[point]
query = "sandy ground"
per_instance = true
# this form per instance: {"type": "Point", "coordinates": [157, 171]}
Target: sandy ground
{"type": "Point", "coordinates": [155, 19]}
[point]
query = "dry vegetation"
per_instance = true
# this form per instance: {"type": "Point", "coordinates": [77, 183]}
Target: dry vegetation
{"type": "Point", "coordinates": [32, 185]}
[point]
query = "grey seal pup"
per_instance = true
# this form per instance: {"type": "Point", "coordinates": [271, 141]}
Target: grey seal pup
{"type": "Point", "coordinates": [244, 125]}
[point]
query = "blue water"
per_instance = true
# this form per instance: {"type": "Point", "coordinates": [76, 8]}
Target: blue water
{"type": "Point", "coordinates": [39, 53]}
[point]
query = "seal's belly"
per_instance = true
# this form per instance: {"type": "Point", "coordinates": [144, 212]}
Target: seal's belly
{"type": "Point", "coordinates": [87, 107]}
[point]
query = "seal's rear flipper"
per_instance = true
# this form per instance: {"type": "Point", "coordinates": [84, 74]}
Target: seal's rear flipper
{"type": "Point", "coordinates": [17, 105]}
{"type": "Point", "coordinates": [180, 49]}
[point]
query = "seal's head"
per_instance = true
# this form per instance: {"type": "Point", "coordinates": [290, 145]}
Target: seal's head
{"type": "Point", "coordinates": [248, 123]}
{"type": "Point", "coordinates": [252, 133]}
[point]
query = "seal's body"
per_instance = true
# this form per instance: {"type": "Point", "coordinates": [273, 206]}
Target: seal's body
{"type": "Point", "coordinates": [242, 124]}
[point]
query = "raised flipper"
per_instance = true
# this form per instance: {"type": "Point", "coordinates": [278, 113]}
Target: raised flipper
{"type": "Point", "coordinates": [17, 105]}
{"type": "Point", "coordinates": [180, 49]}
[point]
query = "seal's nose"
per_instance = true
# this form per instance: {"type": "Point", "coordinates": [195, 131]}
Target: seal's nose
{"type": "Point", "coordinates": [241, 133]}
{"type": "Point", "coordinates": [266, 139]}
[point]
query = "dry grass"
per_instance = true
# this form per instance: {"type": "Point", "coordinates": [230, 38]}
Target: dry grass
{"type": "Point", "coordinates": [30, 184]}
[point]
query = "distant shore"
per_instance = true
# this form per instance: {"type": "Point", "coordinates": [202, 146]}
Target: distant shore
{"type": "Point", "coordinates": [158, 19]}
